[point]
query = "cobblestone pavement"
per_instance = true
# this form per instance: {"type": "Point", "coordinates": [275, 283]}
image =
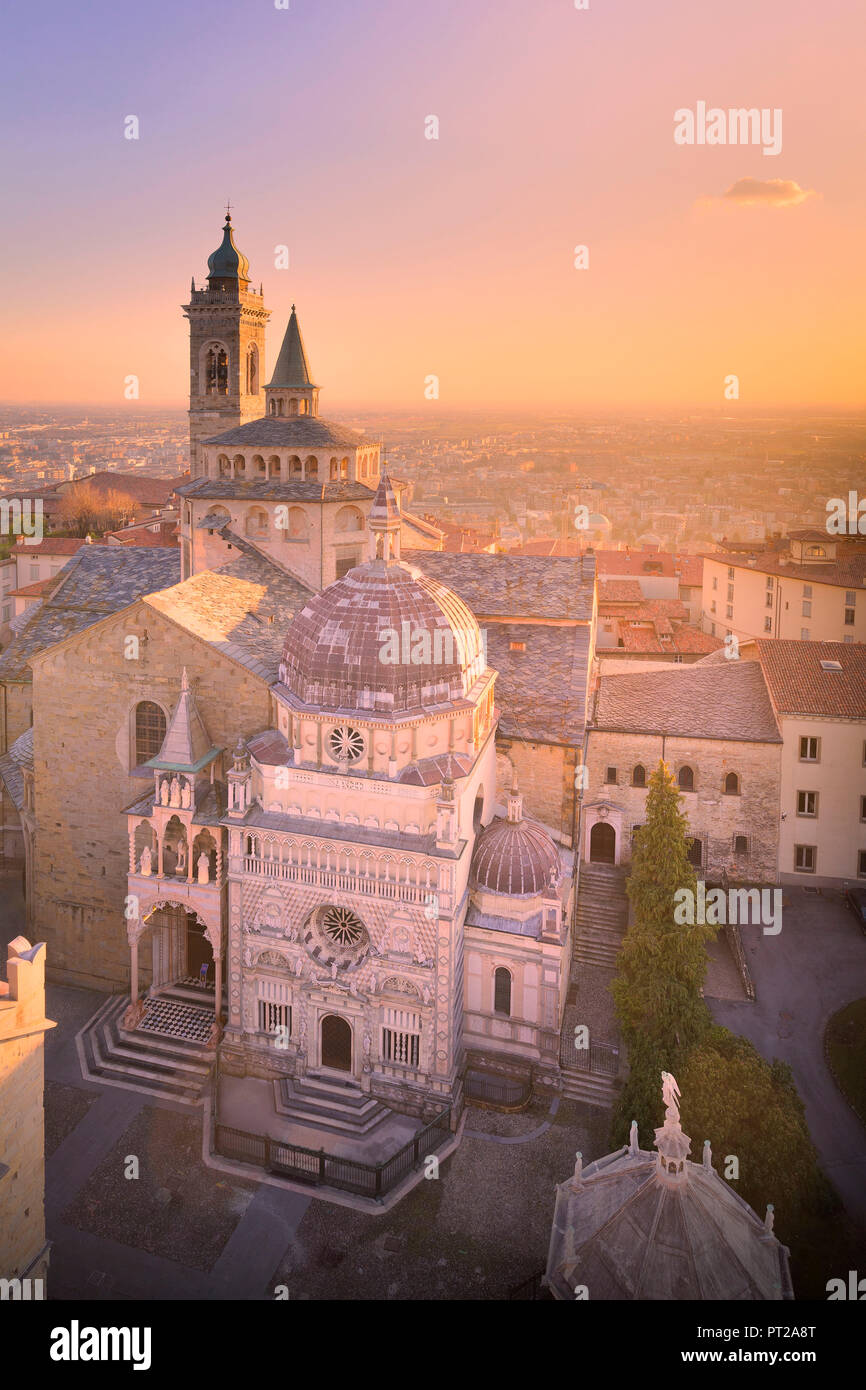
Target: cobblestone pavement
{"type": "Point", "coordinates": [179, 1230]}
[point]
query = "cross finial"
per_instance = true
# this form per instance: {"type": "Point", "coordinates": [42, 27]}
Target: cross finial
{"type": "Point", "coordinates": [228, 212]}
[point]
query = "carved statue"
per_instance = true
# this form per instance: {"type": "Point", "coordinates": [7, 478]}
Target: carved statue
{"type": "Point", "coordinates": [203, 868]}
{"type": "Point", "coordinates": [334, 970]}
{"type": "Point", "coordinates": [174, 799]}
{"type": "Point", "coordinates": [670, 1096]}
{"type": "Point", "coordinates": [248, 956]}
{"type": "Point", "coordinates": [163, 792]}
{"type": "Point", "coordinates": [180, 866]}
{"type": "Point", "coordinates": [299, 966]}
{"type": "Point", "coordinates": [185, 796]}
{"type": "Point", "coordinates": [146, 862]}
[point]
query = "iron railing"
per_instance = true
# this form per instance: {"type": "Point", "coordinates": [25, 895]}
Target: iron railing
{"type": "Point", "coordinates": [507, 1092]}
{"type": "Point", "coordinates": [322, 1169]}
{"type": "Point", "coordinates": [599, 1057]}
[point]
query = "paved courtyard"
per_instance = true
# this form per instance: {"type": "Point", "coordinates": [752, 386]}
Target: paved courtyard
{"type": "Point", "coordinates": [816, 964]}
{"type": "Point", "coordinates": [181, 1230]}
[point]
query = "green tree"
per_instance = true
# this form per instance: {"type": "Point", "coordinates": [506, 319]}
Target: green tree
{"type": "Point", "coordinates": [750, 1108]}
{"type": "Point", "coordinates": [661, 967]}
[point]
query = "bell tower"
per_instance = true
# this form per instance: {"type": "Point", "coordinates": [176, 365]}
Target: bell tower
{"type": "Point", "coordinates": [226, 348]}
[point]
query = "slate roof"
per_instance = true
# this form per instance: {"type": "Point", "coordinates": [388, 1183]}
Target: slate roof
{"type": "Point", "coordinates": [510, 586]}
{"type": "Point", "coordinates": [286, 430]}
{"type": "Point", "coordinates": [292, 369]}
{"type": "Point", "coordinates": [514, 857]}
{"type": "Point", "coordinates": [340, 650]}
{"type": "Point", "coordinates": [97, 581]}
{"type": "Point", "coordinates": [715, 702]}
{"type": "Point", "coordinates": [242, 609]}
{"type": "Point", "coordinates": [541, 691]}
{"type": "Point", "coordinates": [20, 755]}
{"type": "Point", "coordinates": [636, 1238]}
{"type": "Point", "coordinates": [799, 685]}
{"type": "Point", "coordinates": [274, 490]}
{"type": "Point", "coordinates": [530, 926]}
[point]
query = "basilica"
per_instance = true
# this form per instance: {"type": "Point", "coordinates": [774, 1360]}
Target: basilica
{"type": "Point", "coordinates": [301, 797]}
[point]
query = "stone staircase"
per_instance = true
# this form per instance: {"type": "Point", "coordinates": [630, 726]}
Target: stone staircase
{"type": "Point", "coordinates": [602, 915]}
{"type": "Point", "coordinates": [592, 1088]}
{"type": "Point", "coordinates": [158, 1063]}
{"type": "Point", "coordinates": [339, 1107]}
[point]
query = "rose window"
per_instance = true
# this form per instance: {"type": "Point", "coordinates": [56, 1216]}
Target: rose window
{"type": "Point", "coordinates": [346, 744]}
{"type": "Point", "coordinates": [342, 927]}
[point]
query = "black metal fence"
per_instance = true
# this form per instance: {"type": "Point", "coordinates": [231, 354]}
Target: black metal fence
{"type": "Point", "coordinates": [602, 1058]}
{"type": "Point", "coordinates": [505, 1092]}
{"type": "Point", "coordinates": [319, 1168]}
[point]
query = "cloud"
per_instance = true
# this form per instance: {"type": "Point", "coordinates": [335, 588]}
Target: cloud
{"type": "Point", "coordinates": [771, 193]}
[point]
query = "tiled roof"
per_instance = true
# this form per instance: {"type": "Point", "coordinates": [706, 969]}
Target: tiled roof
{"type": "Point", "coordinates": [145, 490]}
{"type": "Point", "coordinates": [691, 568]}
{"type": "Point", "coordinates": [52, 545]}
{"type": "Point", "coordinates": [634, 562]}
{"type": "Point", "coordinates": [550, 546]}
{"type": "Point", "coordinates": [848, 570]}
{"type": "Point", "coordinates": [727, 701]}
{"type": "Point", "coordinates": [679, 638]}
{"type": "Point", "coordinates": [99, 580]}
{"type": "Point", "coordinates": [509, 586]}
{"type": "Point", "coordinates": [285, 431]}
{"type": "Point", "coordinates": [541, 690]}
{"type": "Point", "coordinates": [514, 857]}
{"type": "Point", "coordinates": [798, 683]}
{"type": "Point", "coordinates": [274, 490]}
{"type": "Point", "coordinates": [242, 609]}
{"type": "Point", "coordinates": [619, 591]}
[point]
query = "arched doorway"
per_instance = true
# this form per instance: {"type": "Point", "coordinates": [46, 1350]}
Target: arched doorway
{"type": "Point", "coordinates": [198, 950]}
{"type": "Point", "coordinates": [602, 843]}
{"type": "Point", "coordinates": [336, 1043]}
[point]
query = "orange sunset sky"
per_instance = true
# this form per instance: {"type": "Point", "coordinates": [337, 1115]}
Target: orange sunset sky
{"type": "Point", "coordinates": [454, 256]}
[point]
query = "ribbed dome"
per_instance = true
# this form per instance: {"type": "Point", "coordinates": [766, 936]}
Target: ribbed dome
{"type": "Point", "coordinates": [383, 638]}
{"type": "Point", "coordinates": [227, 262]}
{"type": "Point", "coordinates": [511, 856]}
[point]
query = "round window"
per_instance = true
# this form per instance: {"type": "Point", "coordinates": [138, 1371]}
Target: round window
{"type": "Point", "coordinates": [342, 927]}
{"type": "Point", "coordinates": [346, 744]}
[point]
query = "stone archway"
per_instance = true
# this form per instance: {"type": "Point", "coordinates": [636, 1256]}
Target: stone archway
{"type": "Point", "coordinates": [336, 1040]}
{"type": "Point", "coordinates": [602, 843]}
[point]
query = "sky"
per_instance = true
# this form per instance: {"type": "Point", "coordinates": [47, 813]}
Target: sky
{"type": "Point", "coordinates": [453, 257]}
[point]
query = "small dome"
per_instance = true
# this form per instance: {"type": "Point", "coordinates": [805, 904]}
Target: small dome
{"type": "Point", "coordinates": [384, 638]}
{"type": "Point", "coordinates": [513, 857]}
{"type": "Point", "coordinates": [227, 262]}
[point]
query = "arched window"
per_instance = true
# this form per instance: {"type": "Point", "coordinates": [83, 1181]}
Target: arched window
{"type": "Point", "coordinates": [225, 466]}
{"type": "Point", "coordinates": [149, 731]}
{"type": "Point", "coordinates": [732, 784]}
{"type": "Point", "coordinates": [502, 991]}
{"type": "Point", "coordinates": [349, 519]}
{"type": "Point", "coordinates": [295, 467]}
{"type": "Point", "coordinates": [293, 407]}
{"type": "Point", "coordinates": [216, 371]}
{"type": "Point", "coordinates": [638, 776]}
{"type": "Point", "coordinates": [298, 528]}
{"type": "Point", "coordinates": [252, 370]}
{"type": "Point", "coordinates": [239, 464]}
{"type": "Point", "coordinates": [257, 464]}
{"type": "Point", "coordinates": [274, 466]}
{"type": "Point", "coordinates": [816, 552]}
{"type": "Point", "coordinates": [333, 470]}
{"type": "Point", "coordinates": [312, 468]}
{"type": "Point", "coordinates": [686, 779]}
{"type": "Point", "coordinates": [257, 522]}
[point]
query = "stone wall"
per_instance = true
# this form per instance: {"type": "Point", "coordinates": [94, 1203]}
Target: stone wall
{"type": "Point", "coordinates": [715, 818]}
{"type": "Point", "coordinates": [85, 693]}
{"type": "Point", "coordinates": [23, 1252]}
{"type": "Point", "coordinates": [545, 776]}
